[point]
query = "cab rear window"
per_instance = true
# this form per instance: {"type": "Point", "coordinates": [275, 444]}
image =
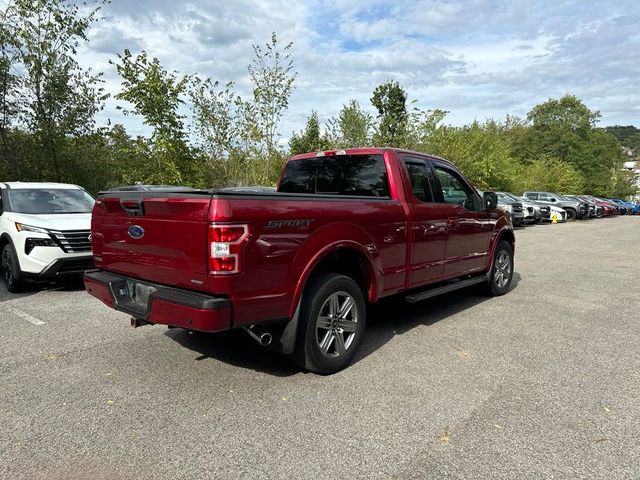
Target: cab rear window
{"type": "Point", "coordinates": [357, 175]}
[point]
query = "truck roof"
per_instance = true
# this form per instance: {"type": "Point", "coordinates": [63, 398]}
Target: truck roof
{"type": "Point", "coordinates": [19, 185]}
{"type": "Point", "coordinates": [362, 151]}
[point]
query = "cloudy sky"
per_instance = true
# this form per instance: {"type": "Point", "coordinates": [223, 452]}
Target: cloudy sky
{"type": "Point", "coordinates": [477, 58]}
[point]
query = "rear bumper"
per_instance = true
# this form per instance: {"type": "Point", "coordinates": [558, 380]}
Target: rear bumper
{"type": "Point", "coordinates": [166, 305]}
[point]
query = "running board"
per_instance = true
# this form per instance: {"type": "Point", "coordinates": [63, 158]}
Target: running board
{"type": "Point", "coordinates": [449, 287]}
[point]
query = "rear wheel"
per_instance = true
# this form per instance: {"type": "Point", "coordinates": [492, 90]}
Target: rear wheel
{"type": "Point", "coordinates": [11, 269]}
{"type": "Point", "coordinates": [332, 322]}
{"type": "Point", "coordinates": [501, 269]}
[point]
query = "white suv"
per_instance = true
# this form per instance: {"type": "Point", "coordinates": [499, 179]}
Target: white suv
{"type": "Point", "coordinates": [44, 231]}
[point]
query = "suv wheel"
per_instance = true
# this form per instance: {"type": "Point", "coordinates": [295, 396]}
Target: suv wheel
{"type": "Point", "coordinates": [571, 214]}
{"type": "Point", "coordinates": [332, 322]}
{"type": "Point", "coordinates": [501, 269]}
{"type": "Point", "coordinates": [10, 269]}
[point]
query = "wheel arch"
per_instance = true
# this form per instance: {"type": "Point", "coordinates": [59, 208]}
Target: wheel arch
{"type": "Point", "coordinates": [5, 239]}
{"type": "Point", "coordinates": [344, 258]}
{"type": "Point", "coordinates": [506, 234]}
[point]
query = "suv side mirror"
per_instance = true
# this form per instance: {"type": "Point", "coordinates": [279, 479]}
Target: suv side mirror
{"type": "Point", "coordinates": [489, 200]}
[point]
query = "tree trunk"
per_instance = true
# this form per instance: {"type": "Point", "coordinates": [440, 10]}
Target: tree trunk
{"type": "Point", "coordinates": [8, 155]}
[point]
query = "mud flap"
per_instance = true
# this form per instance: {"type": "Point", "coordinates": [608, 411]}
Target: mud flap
{"type": "Point", "coordinates": [287, 341]}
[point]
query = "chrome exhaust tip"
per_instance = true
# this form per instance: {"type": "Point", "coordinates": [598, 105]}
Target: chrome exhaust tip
{"type": "Point", "coordinates": [259, 335]}
{"type": "Point", "coordinates": [138, 322]}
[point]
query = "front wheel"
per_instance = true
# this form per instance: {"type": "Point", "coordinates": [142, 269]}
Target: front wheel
{"type": "Point", "coordinates": [332, 322]}
{"type": "Point", "coordinates": [571, 214]}
{"type": "Point", "coordinates": [501, 269]}
{"type": "Point", "coordinates": [11, 269]}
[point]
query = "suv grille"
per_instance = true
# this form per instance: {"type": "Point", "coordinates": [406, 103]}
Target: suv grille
{"type": "Point", "coordinates": [72, 241]}
{"type": "Point", "coordinates": [517, 207]}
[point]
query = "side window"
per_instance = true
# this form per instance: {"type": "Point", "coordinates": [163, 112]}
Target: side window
{"type": "Point", "coordinates": [419, 180]}
{"type": "Point", "coordinates": [545, 197]}
{"type": "Point", "coordinates": [532, 196]}
{"type": "Point", "coordinates": [454, 190]}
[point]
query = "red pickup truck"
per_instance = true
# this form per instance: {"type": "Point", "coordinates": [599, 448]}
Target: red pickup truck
{"type": "Point", "coordinates": [297, 267]}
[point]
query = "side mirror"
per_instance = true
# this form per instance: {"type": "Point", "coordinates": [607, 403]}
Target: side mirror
{"type": "Point", "coordinates": [489, 200]}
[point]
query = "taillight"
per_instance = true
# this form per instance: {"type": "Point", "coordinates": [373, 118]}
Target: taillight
{"type": "Point", "coordinates": [225, 248]}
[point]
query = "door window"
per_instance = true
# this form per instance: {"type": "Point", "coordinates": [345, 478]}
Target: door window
{"type": "Point", "coordinates": [418, 175]}
{"type": "Point", "coordinates": [454, 190]}
{"type": "Point", "coordinates": [545, 197]}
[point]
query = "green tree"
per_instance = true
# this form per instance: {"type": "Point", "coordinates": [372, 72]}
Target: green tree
{"type": "Point", "coordinates": [309, 139]}
{"type": "Point", "coordinates": [273, 76]}
{"type": "Point", "coordinates": [548, 174]}
{"type": "Point", "coordinates": [157, 95]}
{"type": "Point", "coordinates": [480, 150]}
{"type": "Point", "coordinates": [623, 184]}
{"type": "Point", "coordinates": [56, 98]}
{"type": "Point", "coordinates": [390, 99]}
{"type": "Point", "coordinates": [565, 130]}
{"type": "Point", "coordinates": [628, 136]}
{"type": "Point", "coordinates": [8, 98]}
{"type": "Point", "coordinates": [238, 136]}
{"type": "Point", "coordinates": [351, 128]}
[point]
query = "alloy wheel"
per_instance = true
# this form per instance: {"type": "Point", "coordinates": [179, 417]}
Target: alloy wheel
{"type": "Point", "coordinates": [336, 324]}
{"type": "Point", "coordinates": [502, 269]}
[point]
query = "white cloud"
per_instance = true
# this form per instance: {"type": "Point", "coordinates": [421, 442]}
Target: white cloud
{"type": "Point", "coordinates": [478, 58]}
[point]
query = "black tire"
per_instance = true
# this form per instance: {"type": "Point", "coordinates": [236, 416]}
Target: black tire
{"type": "Point", "coordinates": [341, 338]}
{"type": "Point", "coordinates": [571, 214]}
{"type": "Point", "coordinates": [11, 269]}
{"type": "Point", "coordinates": [497, 286]}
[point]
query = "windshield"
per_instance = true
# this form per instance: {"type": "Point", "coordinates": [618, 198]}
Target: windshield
{"type": "Point", "coordinates": [511, 196]}
{"type": "Point", "coordinates": [42, 201]}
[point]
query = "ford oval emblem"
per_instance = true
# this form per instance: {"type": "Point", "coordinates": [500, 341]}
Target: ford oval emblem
{"type": "Point", "coordinates": [136, 231]}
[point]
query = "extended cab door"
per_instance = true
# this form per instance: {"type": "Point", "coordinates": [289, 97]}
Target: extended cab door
{"type": "Point", "coordinates": [469, 226]}
{"type": "Point", "coordinates": [428, 235]}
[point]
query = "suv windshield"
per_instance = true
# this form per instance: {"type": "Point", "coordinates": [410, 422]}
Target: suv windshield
{"type": "Point", "coordinates": [43, 201]}
{"type": "Point", "coordinates": [505, 197]}
{"type": "Point", "coordinates": [511, 196]}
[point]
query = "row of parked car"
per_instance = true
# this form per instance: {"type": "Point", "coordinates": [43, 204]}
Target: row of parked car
{"type": "Point", "coordinates": [536, 207]}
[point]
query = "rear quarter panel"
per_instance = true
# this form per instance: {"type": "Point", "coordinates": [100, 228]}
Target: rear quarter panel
{"type": "Point", "coordinates": [279, 257]}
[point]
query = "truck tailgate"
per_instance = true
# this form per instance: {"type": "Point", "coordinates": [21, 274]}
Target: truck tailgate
{"type": "Point", "coordinates": [155, 236]}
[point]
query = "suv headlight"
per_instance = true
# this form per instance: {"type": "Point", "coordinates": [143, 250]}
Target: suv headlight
{"type": "Point", "coordinates": [21, 227]}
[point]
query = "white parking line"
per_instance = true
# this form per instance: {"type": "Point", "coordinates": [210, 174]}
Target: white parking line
{"type": "Point", "coordinates": [26, 316]}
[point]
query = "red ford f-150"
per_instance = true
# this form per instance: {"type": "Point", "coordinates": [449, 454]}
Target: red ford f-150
{"type": "Point", "coordinates": [297, 267]}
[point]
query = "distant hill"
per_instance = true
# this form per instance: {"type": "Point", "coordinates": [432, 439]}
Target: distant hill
{"type": "Point", "coordinates": [628, 136]}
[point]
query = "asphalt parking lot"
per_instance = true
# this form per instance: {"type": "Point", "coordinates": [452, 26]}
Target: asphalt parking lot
{"type": "Point", "coordinates": [541, 383]}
